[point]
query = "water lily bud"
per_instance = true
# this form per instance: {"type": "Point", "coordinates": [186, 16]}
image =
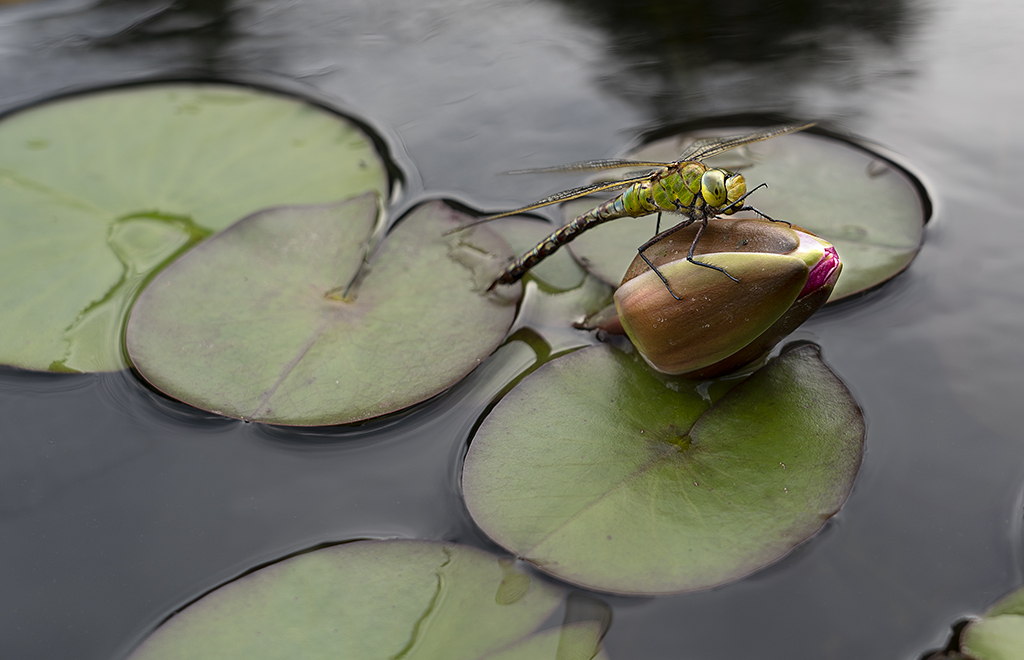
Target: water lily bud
{"type": "Point", "coordinates": [719, 324]}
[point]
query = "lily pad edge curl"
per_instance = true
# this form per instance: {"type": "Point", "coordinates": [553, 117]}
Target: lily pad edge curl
{"type": "Point", "coordinates": [665, 504]}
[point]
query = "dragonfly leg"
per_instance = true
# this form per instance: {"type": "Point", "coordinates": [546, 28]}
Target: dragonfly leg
{"type": "Point", "coordinates": [736, 206]}
{"type": "Point", "coordinates": [693, 246]}
{"type": "Point", "coordinates": [733, 208]}
{"type": "Point", "coordinates": [657, 237]}
{"type": "Point", "coordinates": [764, 215]}
{"type": "Point", "coordinates": [668, 232]}
{"type": "Point", "coordinates": [658, 273]}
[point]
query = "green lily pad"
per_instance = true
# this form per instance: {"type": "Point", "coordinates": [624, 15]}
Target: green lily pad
{"type": "Point", "coordinates": [863, 204]}
{"type": "Point", "coordinates": [99, 191]}
{"type": "Point", "coordinates": [999, 633]}
{"type": "Point", "coordinates": [257, 322]}
{"type": "Point", "coordinates": [602, 473]}
{"type": "Point", "coordinates": [377, 599]}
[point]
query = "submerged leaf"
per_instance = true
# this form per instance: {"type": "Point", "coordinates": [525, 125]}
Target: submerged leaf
{"type": "Point", "coordinates": [99, 191]}
{"type": "Point", "coordinates": [259, 322]}
{"type": "Point", "coordinates": [369, 600]}
{"type": "Point", "coordinates": [610, 477]}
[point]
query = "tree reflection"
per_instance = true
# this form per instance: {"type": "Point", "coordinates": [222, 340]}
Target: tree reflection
{"type": "Point", "coordinates": [685, 57]}
{"type": "Point", "coordinates": [203, 27]}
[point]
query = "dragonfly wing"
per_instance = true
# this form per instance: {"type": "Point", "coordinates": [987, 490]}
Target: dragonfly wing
{"type": "Point", "coordinates": [564, 196]}
{"type": "Point", "coordinates": [590, 165]}
{"type": "Point", "coordinates": [567, 195]}
{"type": "Point", "coordinates": [708, 147]}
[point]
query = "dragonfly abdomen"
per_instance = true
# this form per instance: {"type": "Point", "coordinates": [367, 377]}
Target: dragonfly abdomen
{"type": "Point", "coordinates": [610, 210]}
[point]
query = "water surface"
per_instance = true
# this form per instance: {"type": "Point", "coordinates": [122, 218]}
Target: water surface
{"type": "Point", "coordinates": [117, 505]}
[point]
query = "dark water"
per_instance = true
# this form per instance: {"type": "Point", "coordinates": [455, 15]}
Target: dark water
{"type": "Point", "coordinates": [118, 505]}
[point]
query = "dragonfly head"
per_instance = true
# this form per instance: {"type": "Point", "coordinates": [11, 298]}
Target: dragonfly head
{"type": "Point", "coordinates": [720, 188]}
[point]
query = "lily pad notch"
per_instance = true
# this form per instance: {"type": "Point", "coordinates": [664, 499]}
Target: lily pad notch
{"type": "Point", "coordinates": [252, 324]}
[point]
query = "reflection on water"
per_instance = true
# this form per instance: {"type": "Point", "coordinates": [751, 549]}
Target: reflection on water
{"type": "Point", "coordinates": [204, 27]}
{"type": "Point", "coordinates": [193, 20]}
{"type": "Point", "coordinates": [692, 57]}
{"type": "Point", "coordinates": [134, 37]}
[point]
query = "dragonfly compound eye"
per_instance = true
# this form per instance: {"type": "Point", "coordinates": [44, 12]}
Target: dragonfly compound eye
{"type": "Point", "coordinates": [712, 187]}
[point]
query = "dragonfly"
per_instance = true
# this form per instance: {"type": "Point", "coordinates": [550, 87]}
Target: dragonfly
{"type": "Point", "coordinates": [687, 187]}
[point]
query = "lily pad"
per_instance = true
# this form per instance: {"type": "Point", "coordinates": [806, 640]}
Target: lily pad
{"type": "Point", "coordinates": [377, 599]}
{"type": "Point", "coordinates": [867, 207]}
{"type": "Point", "coordinates": [999, 633]}
{"type": "Point", "coordinates": [259, 323]}
{"type": "Point", "coordinates": [99, 191]}
{"type": "Point", "coordinates": [602, 473]}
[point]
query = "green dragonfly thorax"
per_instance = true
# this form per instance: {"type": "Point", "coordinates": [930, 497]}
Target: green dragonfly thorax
{"type": "Point", "coordinates": [686, 186]}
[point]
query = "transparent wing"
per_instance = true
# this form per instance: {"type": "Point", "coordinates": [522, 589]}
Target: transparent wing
{"type": "Point", "coordinates": [564, 196]}
{"type": "Point", "coordinates": [590, 165]}
{"type": "Point", "coordinates": [708, 147]}
{"type": "Point", "coordinates": [574, 193]}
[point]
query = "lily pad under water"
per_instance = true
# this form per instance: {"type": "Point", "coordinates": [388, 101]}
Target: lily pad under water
{"type": "Point", "coordinates": [605, 475]}
{"type": "Point", "coordinates": [99, 191]}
